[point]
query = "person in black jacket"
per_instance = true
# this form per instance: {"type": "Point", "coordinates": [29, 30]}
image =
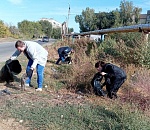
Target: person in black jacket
{"type": "Point", "coordinates": [116, 76]}
{"type": "Point", "coordinates": [64, 54]}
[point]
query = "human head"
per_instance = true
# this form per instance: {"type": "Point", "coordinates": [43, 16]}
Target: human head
{"type": "Point", "coordinates": [20, 45]}
{"type": "Point", "coordinates": [99, 65]}
{"type": "Point", "coordinates": [68, 51]}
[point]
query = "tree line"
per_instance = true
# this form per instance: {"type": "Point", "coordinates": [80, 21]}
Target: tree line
{"type": "Point", "coordinates": [127, 14]}
{"type": "Point", "coordinates": [30, 29]}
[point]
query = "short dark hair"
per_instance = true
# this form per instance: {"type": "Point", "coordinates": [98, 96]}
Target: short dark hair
{"type": "Point", "coordinates": [19, 43]}
{"type": "Point", "coordinates": [99, 63]}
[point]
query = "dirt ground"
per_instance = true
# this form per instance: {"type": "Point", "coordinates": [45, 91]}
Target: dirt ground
{"type": "Point", "coordinates": [31, 95]}
{"type": "Point", "coordinates": [11, 124]}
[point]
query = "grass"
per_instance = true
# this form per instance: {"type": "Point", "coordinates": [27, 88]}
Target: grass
{"type": "Point", "coordinates": [59, 107]}
{"type": "Point", "coordinates": [42, 116]}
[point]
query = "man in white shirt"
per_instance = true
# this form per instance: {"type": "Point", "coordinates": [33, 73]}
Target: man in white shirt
{"type": "Point", "coordinates": [37, 56]}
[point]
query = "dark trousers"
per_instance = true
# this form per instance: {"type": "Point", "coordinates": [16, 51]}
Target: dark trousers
{"type": "Point", "coordinates": [61, 57]}
{"type": "Point", "coordinates": [114, 86]}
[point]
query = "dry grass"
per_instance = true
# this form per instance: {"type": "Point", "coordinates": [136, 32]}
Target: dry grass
{"type": "Point", "coordinates": [65, 81]}
{"type": "Point", "coordinates": [136, 88]}
{"type": "Point", "coordinates": [77, 77]}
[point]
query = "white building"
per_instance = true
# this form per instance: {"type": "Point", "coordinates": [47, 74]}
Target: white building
{"type": "Point", "coordinates": [54, 23]}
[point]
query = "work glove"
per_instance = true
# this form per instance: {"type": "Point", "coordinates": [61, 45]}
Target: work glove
{"type": "Point", "coordinates": [8, 61]}
{"type": "Point", "coordinates": [29, 72]}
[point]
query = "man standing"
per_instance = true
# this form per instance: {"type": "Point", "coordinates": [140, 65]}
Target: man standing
{"type": "Point", "coordinates": [64, 54]}
{"type": "Point", "coordinates": [37, 57]}
{"type": "Point", "coordinates": [116, 75]}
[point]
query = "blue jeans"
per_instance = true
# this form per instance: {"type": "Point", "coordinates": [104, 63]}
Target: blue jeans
{"type": "Point", "coordinates": [61, 58]}
{"type": "Point", "coordinates": [39, 71]}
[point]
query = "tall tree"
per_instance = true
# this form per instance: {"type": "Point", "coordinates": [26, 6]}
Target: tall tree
{"type": "Point", "coordinates": [14, 30]}
{"type": "Point", "coordinates": [37, 29]}
{"type": "Point", "coordinates": [46, 27]}
{"type": "Point", "coordinates": [117, 20]}
{"type": "Point", "coordinates": [105, 20]}
{"type": "Point", "coordinates": [56, 33]}
{"type": "Point", "coordinates": [128, 13]}
{"type": "Point", "coordinates": [137, 12]}
{"type": "Point", "coordinates": [70, 30]}
{"type": "Point", "coordinates": [30, 29]}
{"type": "Point", "coordinates": [26, 27]}
{"type": "Point", "coordinates": [4, 30]}
{"type": "Point", "coordinates": [87, 20]}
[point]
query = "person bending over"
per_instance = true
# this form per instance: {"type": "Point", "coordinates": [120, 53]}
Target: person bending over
{"type": "Point", "coordinates": [115, 74]}
{"type": "Point", "coordinates": [37, 58]}
{"type": "Point", "coordinates": [64, 54]}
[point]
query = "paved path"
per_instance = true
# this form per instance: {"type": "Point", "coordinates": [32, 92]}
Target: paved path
{"type": "Point", "coordinates": [8, 48]}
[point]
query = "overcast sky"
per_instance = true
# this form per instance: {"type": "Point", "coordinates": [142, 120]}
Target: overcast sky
{"type": "Point", "coordinates": [14, 11]}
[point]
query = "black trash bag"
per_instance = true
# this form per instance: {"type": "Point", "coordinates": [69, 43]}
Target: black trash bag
{"type": "Point", "coordinates": [96, 84]}
{"type": "Point", "coordinates": [68, 60]}
{"type": "Point", "coordinates": [9, 70]}
{"type": "Point", "coordinates": [15, 67]}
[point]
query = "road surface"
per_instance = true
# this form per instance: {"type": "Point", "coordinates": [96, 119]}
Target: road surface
{"type": "Point", "coordinates": [8, 48]}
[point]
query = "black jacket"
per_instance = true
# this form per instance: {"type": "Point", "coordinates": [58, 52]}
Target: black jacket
{"type": "Point", "coordinates": [113, 71]}
{"type": "Point", "coordinates": [64, 50]}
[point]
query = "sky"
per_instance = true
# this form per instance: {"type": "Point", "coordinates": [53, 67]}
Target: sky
{"type": "Point", "coordinates": [14, 11]}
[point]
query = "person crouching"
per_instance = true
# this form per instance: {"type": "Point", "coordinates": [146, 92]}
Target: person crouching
{"type": "Point", "coordinates": [116, 76]}
{"type": "Point", "coordinates": [65, 55]}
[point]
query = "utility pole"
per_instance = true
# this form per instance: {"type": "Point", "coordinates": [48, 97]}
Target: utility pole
{"type": "Point", "coordinates": [68, 19]}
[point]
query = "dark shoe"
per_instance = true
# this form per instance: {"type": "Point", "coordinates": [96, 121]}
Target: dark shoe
{"type": "Point", "coordinates": [114, 95]}
{"type": "Point", "coordinates": [100, 93]}
{"type": "Point", "coordinates": [110, 95]}
{"type": "Point", "coordinates": [31, 85]}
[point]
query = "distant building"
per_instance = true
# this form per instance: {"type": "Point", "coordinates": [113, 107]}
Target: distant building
{"type": "Point", "coordinates": [145, 18]}
{"type": "Point", "coordinates": [54, 23]}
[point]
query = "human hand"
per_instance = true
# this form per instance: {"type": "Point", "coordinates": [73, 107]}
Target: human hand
{"type": "Point", "coordinates": [66, 55]}
{"type": "Point", "coordinates": [103, 73]}
{"type": "Point", "coordinates": [29, 72]}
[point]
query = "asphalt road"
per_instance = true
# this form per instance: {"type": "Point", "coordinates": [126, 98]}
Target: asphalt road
{"type": "Point", "coordinates": [8, 48]}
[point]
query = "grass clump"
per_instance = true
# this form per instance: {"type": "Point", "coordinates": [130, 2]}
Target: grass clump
{"type": "Point", "coordinates": [42, 116]}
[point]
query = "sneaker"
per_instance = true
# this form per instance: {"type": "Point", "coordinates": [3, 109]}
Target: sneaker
{"type": "Point", "coordinates": [28, 85]}
{"type": "Point", "coordinates": [39, 89]}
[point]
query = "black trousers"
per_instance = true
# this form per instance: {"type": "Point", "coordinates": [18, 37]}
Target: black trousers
{"type": "Point", "coordinates": [114, 86]}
